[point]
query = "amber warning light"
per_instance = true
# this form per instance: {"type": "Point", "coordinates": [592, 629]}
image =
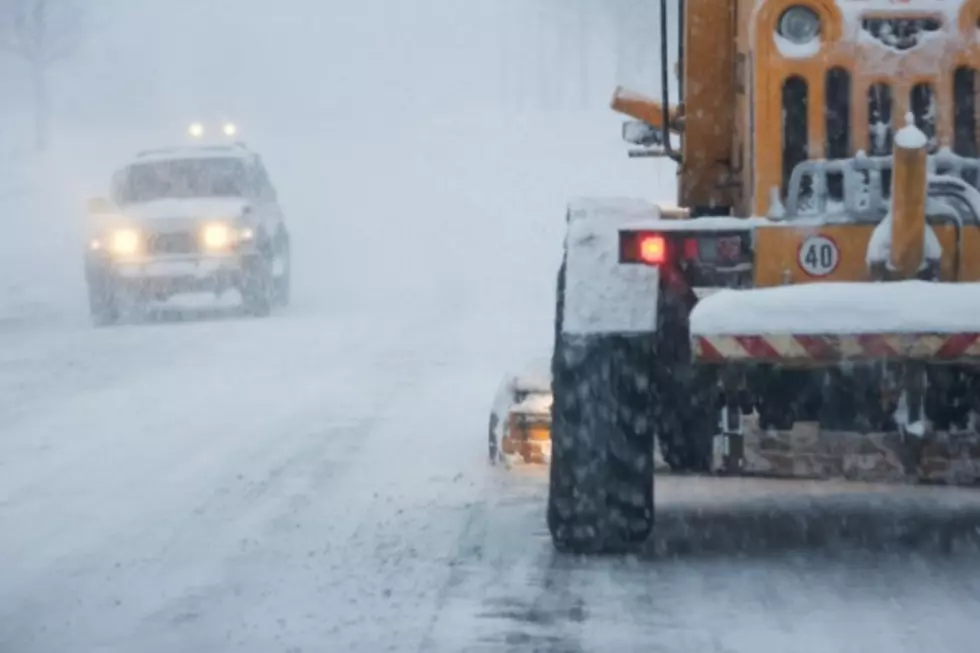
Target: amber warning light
{"type": "Point", "coordinates": [645, 248]}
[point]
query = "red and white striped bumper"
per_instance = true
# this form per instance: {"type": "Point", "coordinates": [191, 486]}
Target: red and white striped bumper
{"type": "Point", "coordinates": [817, 349]}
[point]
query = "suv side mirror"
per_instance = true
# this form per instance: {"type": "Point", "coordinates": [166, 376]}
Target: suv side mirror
{"type": "Point", "coordinates": [98, 205]}
{"type": "Point", "coordinates": [638, 132]}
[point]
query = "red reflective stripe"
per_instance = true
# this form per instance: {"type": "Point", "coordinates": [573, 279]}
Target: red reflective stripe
{"type": "Point", "coordinates": [708, 351]}
{"type": "Point", "coordinates": [876, 346]}
{"type": "Point", "coordinates": [829, 347]}
{"type": "Point", "coordinates": [956, 345]}
{"type": "Point", "coordinates": [818, 347]}
{"type": "Point", "coordinates": [757, 347]}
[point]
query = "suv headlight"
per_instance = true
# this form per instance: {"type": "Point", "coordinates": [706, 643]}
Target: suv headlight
{"type": "Point", "coordinates": [124, 242]}
{"type": "Point", "coordinates": [217, 236]}
{"type": "Point", "coordinates": [799, 24]}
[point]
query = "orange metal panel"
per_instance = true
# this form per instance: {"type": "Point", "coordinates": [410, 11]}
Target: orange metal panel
{"type": "Point", "coordinates": [709, 104]}
{"type": "Point", "coordinates": [908, 220]}
{"type": "Point", "coordinates": [931, 62]}
{"type": "Point", "coordinates": [640, 107]}
{"type": "Point", "coordinates": [778, 251]}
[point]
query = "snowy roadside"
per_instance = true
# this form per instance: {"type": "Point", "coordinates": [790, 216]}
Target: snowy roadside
{"type": "Point", "coordinates": [306, 520]}
{"type": "Point", "coordinates": [40, 266]}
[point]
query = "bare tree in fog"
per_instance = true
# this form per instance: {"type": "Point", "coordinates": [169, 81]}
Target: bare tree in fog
{"type": "Point", "coordinates": [40, 33]}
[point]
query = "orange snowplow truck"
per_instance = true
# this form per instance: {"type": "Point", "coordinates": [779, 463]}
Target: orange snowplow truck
{"type": "Point", "coordinates": [814, 309]}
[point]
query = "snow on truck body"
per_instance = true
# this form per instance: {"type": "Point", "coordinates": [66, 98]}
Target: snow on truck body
{"type": "Point", "coordinates": [830, 322]}
{"type": "Point", "coordinates": [850, 126]}
{"type": "Point", "coordinates": [602, 295]}
{"type": "Point", "coordinates": [846, 308]}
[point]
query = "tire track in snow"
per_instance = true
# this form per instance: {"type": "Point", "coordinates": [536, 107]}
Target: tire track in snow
{"type": "Point", "coordinates": [508, 590]}
{"type": "Point", "coordinates": [785, 592]}
{"type": "Point", "coordinates": [377, 543]}
{"type": "Point", "coordinates": [172, 550]}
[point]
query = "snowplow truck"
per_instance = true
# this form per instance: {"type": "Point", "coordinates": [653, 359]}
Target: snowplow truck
{"type": "Point", "coordinates": [811, 306]}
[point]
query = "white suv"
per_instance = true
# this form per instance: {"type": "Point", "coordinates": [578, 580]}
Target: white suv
{"type": "Point", "coordinates": [187, 219]}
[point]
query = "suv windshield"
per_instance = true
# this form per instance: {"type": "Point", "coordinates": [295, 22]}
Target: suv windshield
{"type": "Point", "coordinates": [183, 178]}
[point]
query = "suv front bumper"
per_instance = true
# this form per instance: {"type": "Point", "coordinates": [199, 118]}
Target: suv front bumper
{"type": "Point", "coordinates": [162, 277]}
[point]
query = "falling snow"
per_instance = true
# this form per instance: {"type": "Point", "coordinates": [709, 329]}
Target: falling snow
{"type": "Point", "coordinates": [317, 480]}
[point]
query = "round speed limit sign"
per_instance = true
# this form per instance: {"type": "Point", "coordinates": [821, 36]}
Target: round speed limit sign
{"type": "Point", "coordinates": [818, 256]}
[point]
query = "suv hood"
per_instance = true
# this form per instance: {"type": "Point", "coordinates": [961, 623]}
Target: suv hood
{"type": "Point", "coordinates": [191, 208]}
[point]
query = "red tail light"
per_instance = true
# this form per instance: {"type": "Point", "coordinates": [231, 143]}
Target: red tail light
{"type": "Point", "coordinates": [643, 247]}
{"type": "Point", "coordinates": [653, 249]}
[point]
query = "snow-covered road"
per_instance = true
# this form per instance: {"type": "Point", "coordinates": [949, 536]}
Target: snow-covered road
{"type": "Point", "coordinates": [317, 483]}
{"type": "Point", "coordinates": [275, 483]}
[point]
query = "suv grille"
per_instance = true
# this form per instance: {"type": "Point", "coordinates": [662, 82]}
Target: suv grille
{"type": "Point", "coordinates": [175, 243]}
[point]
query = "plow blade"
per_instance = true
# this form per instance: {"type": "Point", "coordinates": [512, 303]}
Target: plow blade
{"type": "Point", "coordinates": [880, 383]}
{"type": "Point", "coordinates": [809, 451]}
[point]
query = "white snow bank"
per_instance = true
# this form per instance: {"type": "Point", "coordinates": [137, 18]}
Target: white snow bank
{"type": "Point", "coordinates": [846, 308]}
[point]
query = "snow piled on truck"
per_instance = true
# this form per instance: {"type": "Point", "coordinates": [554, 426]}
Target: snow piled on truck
{"type": "Point", "coordinates": [845, 308]}
{"type": "Point", "coordinates": [880, 245]}
{"type": "Point", "coordinates": [601, 295]}
{"type": "Point", "coordinates": [534, 376]}
{"type": "Point", "coordinates": [854, 10]}
{"type": "Point", "coordinates": [537, 403]}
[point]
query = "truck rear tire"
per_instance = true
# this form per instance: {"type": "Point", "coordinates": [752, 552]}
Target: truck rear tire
{"type": "Point", "coordinates": [601, 479]}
